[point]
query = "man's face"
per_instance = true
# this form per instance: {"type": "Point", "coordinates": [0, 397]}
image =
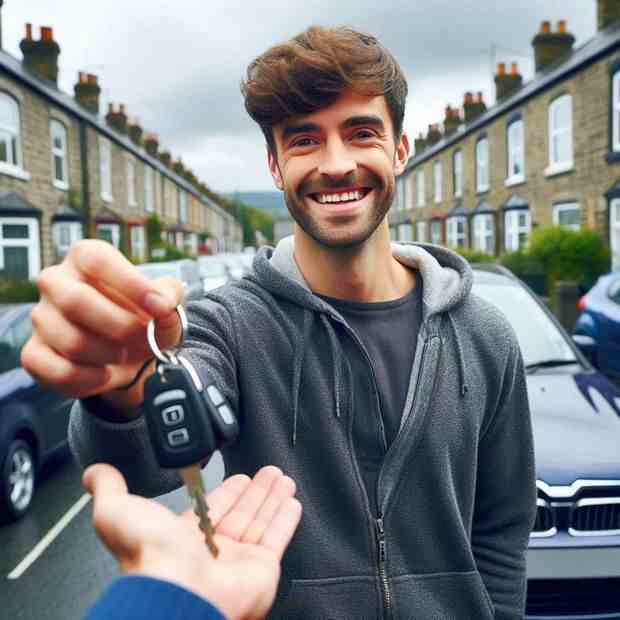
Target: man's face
{"type": "Point", "coordinates": [337, 167]}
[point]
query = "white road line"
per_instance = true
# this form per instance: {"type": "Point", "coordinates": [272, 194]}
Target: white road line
{"type": "Point", "coordinates": [49, 538]}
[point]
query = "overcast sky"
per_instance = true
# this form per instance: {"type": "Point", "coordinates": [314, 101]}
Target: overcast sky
{"type": "Point", "coordinates": [177, 65]}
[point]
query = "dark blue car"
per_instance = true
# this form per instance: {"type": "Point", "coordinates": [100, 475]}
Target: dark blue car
{"type": "Point", "coordinates": [574, 552]}
{"type": "Point", "coordinates": [600, 321]}
{"type": "Point", "coordinates": [33, 419]}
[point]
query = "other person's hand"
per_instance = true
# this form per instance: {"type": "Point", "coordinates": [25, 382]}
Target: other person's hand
{"type": "Point", "coordinates": [89, 327]}
{"type": "Point", "coordinates": [254, 522]}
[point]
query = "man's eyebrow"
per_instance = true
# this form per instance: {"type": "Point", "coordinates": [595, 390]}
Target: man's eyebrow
{"type": "Point", "coordinates": [291, 130]}
{"type": "Point", "coordinates": [370, 119]}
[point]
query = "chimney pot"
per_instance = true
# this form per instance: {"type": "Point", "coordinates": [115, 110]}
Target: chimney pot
{"type": "Point", "coordinates": [545, 27]}
{"type": "Point", "coordinates": [110, 108]}
{"type": "Point", "coordinates": [121, 108]}
{"type": "Point", "coordinates": [562, 26]}
{"type": "Point", "coordinates": [29, 32]}
{"type": "Point", "coordinates": [468, 97]}
{"type": "Point", "coordinates": [47, 34]}
{"type": "Point", "coordinates": [92, 79]}
{"type": "Point", "coordinates": [514, 69]}
{"type": "Point", "coordinates": [501, 68]}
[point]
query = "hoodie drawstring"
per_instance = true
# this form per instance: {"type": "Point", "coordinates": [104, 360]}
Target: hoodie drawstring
{"type": "Point", "coordinates": [461, 361]}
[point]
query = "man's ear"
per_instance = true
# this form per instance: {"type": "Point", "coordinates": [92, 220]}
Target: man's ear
{"type": "Point", "coordinates": [401, 156]}
{"type": "Point", "coordinates": [274, 169]}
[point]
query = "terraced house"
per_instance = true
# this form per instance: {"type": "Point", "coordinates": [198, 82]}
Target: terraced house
{"type": "Point", "coordinates": [547, 152]}
{"type": "Point", "coordinates": [66, 173]}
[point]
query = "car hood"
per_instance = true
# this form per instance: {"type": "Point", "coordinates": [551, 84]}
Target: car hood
{"type": "Point", "coordinates": [576, 420]}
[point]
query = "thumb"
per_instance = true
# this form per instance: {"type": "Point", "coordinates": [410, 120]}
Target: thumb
{"type": "Point", "coordinates": [103, 480]}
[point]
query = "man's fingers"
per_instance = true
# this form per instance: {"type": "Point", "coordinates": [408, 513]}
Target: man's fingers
{"type": "Point", "coordinates": [281, 529]}
{"type": "Point", "coordinates": [282, 490]}
{"type": "Point", "coordinates": [222, 499]}
{"type": "Point", "coordinates": [102, 480]}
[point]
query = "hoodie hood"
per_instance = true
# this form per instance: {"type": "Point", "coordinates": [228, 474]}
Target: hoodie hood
{"type": "Point", "coordinates": [447, 279]}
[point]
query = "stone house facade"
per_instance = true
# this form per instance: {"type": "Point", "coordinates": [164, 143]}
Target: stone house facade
{"type": "Point", "coordinates": [547, 153]}
{"type": "Point", "coordinates": [66, 173]}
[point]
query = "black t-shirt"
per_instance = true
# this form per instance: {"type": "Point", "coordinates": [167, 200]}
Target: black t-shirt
{"type": "Point", "coordinates": [389, 331]}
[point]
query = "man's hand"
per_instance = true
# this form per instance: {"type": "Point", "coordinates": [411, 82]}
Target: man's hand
{"type": "Point", "coordinates": [254, 522]}
{"type": "Point", "coordinates": [89, 328]}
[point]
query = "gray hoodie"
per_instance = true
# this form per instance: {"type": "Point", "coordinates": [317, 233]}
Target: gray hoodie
{"type": "Point", "coordinates": [456, 492]}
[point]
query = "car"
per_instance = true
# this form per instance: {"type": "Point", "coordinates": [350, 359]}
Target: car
{"type": "Point", "coordinates": [33, 419]}
{"type": "Point", "coordinates": [214, 272]}
{"type": "Point", "coordinates": [598, 324]}
{"type": "Point", "coordinates": [185, 270]}
{"type": "Point", "coordinates": [573, 560]}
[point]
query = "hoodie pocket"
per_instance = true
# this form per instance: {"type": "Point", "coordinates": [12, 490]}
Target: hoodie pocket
{"type": "Point", "coordinates": [340, 598]}
{"type": "Point", "coordinates": [445, 596]}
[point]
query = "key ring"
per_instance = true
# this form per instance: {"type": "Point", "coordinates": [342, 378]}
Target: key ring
{"type": "Point", "coordinates": [150, 337]}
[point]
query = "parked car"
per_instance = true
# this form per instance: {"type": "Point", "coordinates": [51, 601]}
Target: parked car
{"type": "Point", "coordinates": [598, 324]}
{"type": "Point", "coordinates": [185, 270]}
{"type": "Point", "coordinates": [33, 419]}
{"type": "Point", "coordinates": [574, 551]}
{"type": "Point", "coordinates": [214, 272]}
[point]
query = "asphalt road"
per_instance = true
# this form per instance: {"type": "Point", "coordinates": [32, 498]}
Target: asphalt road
{"type": "Point", "coordinates": [74, 568]}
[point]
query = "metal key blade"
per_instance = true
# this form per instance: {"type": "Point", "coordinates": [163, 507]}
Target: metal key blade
{"type": "Point", "coordinates": [195, 488]}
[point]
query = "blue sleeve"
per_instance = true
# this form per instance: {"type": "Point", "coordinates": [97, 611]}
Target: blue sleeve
{"type": "Point", "coordinates": [144, 598]}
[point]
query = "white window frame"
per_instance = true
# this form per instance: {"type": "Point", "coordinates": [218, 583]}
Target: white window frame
{"type": "Point", "coordinates": [456, 238]}
{"type": "Point", "coordinates": [149, 189]}
{"type": "Point", "coordinates": [131, 182]}
{"type": "Point", "coordinates": [105, 169]}
{"type": "Point", "coordinates": [514, 229]}
{"type": "Point", "coordinates": [138, 242]}
{"type": "Point", "coordinates": [420, 190]}
{"type": "Point", "coordinates": [557, 166]}
{"type": "Point", "coordinates": [182, 207]}
{"type": "Point", "coordinates": [614, 232]}
{"type": "Point", "coordinates": [74, 233]}
{"type": "Point", "coordinates": [421, 232]}
{"type": "Point", "coordinates": [515, 139]}
{"type": "Point", "coordinates": [32, 243]}
{"type": "Point", "coordinates": [436, 232]}
{"type": "Point", "coordinates": [484, 233]}
{"type": "Point", "coordinates": [457, 165]}
{"type": "Point", "coordinates": [58, 130]}
{"type": "Point", "coordinates": [437, 180]}
{"type": "Point", "coordinates": [11, 129]}
{"type": "Point", "coordinates": [615, 111]}
{"type": "Point", "coordinates": [558, 209]}
{"type": "Point", "coordinates": [482, 165]}
{"type": "Point", "coordinates": [115, 229]}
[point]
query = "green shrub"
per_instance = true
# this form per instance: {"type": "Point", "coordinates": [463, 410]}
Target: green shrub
{"type": "Point", "coordinates": [18, 291]}
{"type": "Point", "coordinates": [171, 253]}
{"type": "Point", "coordinates": [527, 268]}
{"type": "Point", "coordinates": [475, 256]}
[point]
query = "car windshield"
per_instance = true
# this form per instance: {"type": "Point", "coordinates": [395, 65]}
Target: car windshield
{"type": "Point", "coordinates": [153, 272]}
{"type": "Point", "coordinates": [539, 339]}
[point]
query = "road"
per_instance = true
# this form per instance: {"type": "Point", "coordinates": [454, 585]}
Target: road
{"type": "Point", "coordinates": [74, 568]}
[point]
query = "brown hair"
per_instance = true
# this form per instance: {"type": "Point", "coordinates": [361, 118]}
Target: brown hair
{"type": "Point", "coordinates": [310, 71]}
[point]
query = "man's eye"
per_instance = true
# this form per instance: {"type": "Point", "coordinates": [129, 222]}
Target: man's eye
{"type": "Point", "coordinates": [363, 134]}
{"type": "Point", "coordinates": [304, 142]}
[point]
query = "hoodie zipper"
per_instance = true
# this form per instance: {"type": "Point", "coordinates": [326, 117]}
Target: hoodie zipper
{"type": "Point", "coordinates": [382, 555]}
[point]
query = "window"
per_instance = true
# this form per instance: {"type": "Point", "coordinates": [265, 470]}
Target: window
{"type": "Point", "coordinates": [58, 134]}
{"type": "Point", "coordinates": [456, 229]}
{"type": "Point", "coordinates": [484, 234]}
{"type": "Point", "coordinates": [19, 248]}
{"type": "Point", "coordinates": [560, 135]}
{"type": "Point", "coordinates": [482, 165]}
{"type": "Point", "coordinates": [420, 188]}
{"type": "Point", "coordinates": [105, 169]}
{"type": "Point", "coordinates": [517, 229]}
{"type": "Point", "coordinates": [64, 234]}
{"type": "Point", "coordinates": [457, 165]}
{"type": "Point", "coordinates": [405, 232]}
{"type": "Point", "coordinates": [110, 233]}
{"type": "Point", "coordinates": [515, 153]}
{"type": "Point", "coordinates": [615, 111]}
{"type": "Point", "coordinates": [420, 231]}
{"type": "Point", "coordinates": [436, 232]}
{"type": "Point", "coordinates": [131, 183]}
{"type": "Point", "coordinates": [138, 246]}
{"type": "Point", "coordinates": [10, 138]}
{"type": "Point", "coordinates": [149, 201]}
{"type": "Point", "coordinates": [182, 205]}
{"type": "Point", "coordinates": [12, 342]}
{"type": "Point", "coordinates": [437, 181]}
{"type": "Point", "coordinates": [567, 215]}
{"type": "Point", "coordinates": [614, 232]}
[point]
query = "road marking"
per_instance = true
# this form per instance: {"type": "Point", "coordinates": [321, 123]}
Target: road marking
{"type": "Point", "coordinates": [49, 538]}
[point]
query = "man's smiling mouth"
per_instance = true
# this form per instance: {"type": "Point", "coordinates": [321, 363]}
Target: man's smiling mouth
{"type": "Point", "coordinates": [340, 196]}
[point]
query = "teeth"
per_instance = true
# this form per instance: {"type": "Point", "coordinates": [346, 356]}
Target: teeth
{"type": "Point", "coordinates": [323, 198]}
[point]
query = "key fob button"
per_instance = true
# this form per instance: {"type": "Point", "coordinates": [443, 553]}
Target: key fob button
{"type": "Point", "coordinates": [226, 414]}
{"type": "Point", "coordinates": [215, 395]}
{"type": "Point", "coordinates": [179, 437]}
{"type": "Point", "coordinates": [173, 415]}
{"type": "Point", "coordinates": [168, 395]}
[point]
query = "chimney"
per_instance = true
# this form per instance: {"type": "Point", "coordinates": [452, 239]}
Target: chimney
{"type": "Point", "coordinates": [87, 92]}
{"type": "Point", "coordinates": [151, 144]}
{"type": "Point", "coordinates": [117, 119]}
{"type": "Point", "coordinates": [452, 121]}
{"type": "Point", "coordinates": [550, 47]}
{"type": "Point", "coordinates": [41, 57]}
{"type": "Point", "coordinates": [473, 107]}
{"type": "Point", "coordinates": [507, 84]}
{"type": "Point", "coordinates": [434, 135]}
{"type": "Point", "coordinates": [165, 158]}
{"type": "Point", "coordinates": [608, 12]}
{"type": "Point", "coordinates": [419, 144]}
{"type": "Point", "coordinates": [179, 168]}
{"type": "Point", "coordinates": [135, 132]}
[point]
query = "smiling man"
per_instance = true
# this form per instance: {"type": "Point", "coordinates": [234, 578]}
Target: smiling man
{"type": "Point", "coordinates": [365, 370]}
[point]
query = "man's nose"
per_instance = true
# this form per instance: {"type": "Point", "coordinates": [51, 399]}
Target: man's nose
{"type": "Point", "coordinates": [336, 161]}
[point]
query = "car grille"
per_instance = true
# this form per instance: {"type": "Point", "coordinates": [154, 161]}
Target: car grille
{"type": "Point", "coordinates": [597, 515]}
{"type": "Point", "coordinates": [545, 519]}
{"type": "Point", "coordinates": [572, 597]}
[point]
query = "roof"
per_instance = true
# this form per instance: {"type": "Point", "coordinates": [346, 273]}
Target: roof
{"type": "Point", "coordinates": [604, 42]}
{"type": "Point", "coordinates": [10, 200]}
{"type": "Point", "coordinates": [50, 91]}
